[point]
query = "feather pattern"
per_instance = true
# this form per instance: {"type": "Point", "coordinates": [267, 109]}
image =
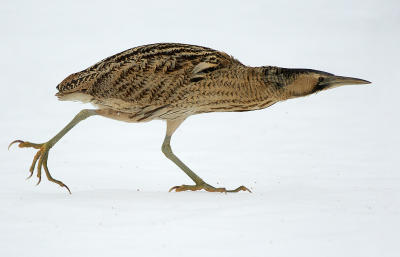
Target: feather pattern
{"type": "Point", "coordinates": [169, 80]}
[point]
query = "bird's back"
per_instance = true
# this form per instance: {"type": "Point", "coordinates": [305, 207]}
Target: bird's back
{"type": "Point", "coordinates": [145, 75]}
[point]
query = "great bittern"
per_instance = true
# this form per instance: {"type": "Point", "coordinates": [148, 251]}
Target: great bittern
{"type": "Point", "coordinates": [172, 82]}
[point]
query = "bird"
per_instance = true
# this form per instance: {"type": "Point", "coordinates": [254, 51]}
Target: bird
{"type": "Point", "coordinates": [172, 81]}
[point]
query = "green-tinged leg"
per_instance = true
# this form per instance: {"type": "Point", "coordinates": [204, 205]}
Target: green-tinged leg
{"type": "Point", "coordinates": [172, 125]}
{"type": "Point", "coordinates": [44, 148]}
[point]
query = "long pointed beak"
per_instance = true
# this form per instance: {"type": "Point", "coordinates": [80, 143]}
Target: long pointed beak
{"type": "Point", "coordinates": [334, 81]}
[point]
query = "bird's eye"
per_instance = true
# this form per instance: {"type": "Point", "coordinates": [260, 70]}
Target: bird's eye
{"type": "Point", "coordinates": [321, 79]}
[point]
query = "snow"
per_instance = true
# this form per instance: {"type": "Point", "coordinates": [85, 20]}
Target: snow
{"type": "Point", "coordinates": [323, 169]}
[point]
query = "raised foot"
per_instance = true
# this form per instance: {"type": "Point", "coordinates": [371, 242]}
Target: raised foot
{"type": "Point", "coordinates": [208, 188]}
{"type": "Point", "coordinates": [42, 156]}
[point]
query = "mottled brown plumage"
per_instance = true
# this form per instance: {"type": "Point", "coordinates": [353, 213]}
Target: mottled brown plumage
{"type": "Point", "coordinates": [171, 81]}
{"type": "Point", "coordinates": [168, 81]}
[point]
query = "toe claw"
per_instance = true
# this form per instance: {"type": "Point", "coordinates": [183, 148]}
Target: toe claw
{"type": "Point", "coordinates": [69, 191]}
{"type": "Point", "coordinates": [174, 188]}
{"type": "Point", "coordinates": [61, 184]}
{"type": "Point", "coordinates": [30, 175]}
{"type": "Point", "coordinates": [242, 188]}
{"type": "Point", "coordinates": [13, 142]}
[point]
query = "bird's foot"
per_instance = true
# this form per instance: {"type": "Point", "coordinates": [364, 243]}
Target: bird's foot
{"type": "Point", "coordinates": [208, 188]}
{"type": "Point", "coordinates": [40, 156]}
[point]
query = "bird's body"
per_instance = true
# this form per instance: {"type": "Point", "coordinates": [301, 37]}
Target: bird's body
{"type": "Point", "coordinates": [171, 82]}
{"type": "Point", "coordinates": [168, 81]}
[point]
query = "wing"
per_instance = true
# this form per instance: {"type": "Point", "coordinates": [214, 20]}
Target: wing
{"type": "Point", "coordinates": [144, 75]}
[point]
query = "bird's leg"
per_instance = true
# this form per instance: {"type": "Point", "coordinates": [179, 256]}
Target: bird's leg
{"type": "Point", "coordinates": [44, 148]}
{"type": "Point", "coordinates": [172, 125]}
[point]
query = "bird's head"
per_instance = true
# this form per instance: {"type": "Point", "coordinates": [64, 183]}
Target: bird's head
{"type": "Point", "coordinates": [302, 82]}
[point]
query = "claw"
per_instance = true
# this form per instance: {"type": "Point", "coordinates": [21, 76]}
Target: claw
{"type": "Point", "coordinates": [13, 142]}
{"type": "Point", "coordinates": [173, 188]}
{"type": "Point", "coordinates": [241, 188]}
{"type": "Point", "coordinates": [69, 191]}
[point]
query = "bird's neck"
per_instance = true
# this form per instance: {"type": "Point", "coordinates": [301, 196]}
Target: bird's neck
{"type": "Point", "coordinates": [251, 89]}
{"type": "Point", "coordinates": [261, 84]}
{"type": "Point", "coordinates": [235, 89]}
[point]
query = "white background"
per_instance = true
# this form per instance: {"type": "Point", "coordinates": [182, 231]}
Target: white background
{"type": "Point", "coordinates": [324, 169]}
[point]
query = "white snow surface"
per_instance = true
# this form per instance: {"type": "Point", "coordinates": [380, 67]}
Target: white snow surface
{"type": "Point", "coordinates": [323, 169]}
